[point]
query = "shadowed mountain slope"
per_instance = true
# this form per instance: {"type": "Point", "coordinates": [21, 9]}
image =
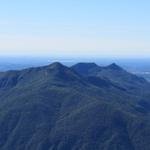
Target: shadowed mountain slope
{"type": "Point", "coordinates": [115, 74]}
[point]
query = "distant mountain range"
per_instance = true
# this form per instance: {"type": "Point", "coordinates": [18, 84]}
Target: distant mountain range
{"type": "Point", "coordinates": [83, 107]}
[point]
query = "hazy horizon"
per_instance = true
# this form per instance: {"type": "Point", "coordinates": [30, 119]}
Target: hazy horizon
{"type": "Point", "coordinates": [75, 28]}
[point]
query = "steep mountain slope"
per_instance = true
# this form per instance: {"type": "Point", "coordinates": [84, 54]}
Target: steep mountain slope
{"type": "Point", "coordinates": [55, 108]}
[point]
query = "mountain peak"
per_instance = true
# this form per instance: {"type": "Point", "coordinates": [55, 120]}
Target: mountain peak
{"type": "Point", "coordinates": [56, 65]}
{"type": "Point", "coordinates": [85, 68]}
{"type": "Point", "coordinates": [114, 66]}
{"type": "Point", "coordinates": [63, 73]}
{"type": "Point", "coordinates": [85, 65]}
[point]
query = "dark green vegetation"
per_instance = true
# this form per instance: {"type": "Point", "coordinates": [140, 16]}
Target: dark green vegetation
{"type": "Point", "coordinates": [85, 107]}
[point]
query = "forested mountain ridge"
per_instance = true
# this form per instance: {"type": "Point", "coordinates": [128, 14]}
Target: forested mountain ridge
{"type": "Point", "coordinates": [83, 107]}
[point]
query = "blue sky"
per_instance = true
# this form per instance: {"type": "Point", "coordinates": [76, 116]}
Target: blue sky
{"type": "Point", "coordinates": [75, 27]}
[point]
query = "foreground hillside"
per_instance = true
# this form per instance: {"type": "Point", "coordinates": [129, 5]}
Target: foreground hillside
{"type": "Point", "coordinates": [85, 107]}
